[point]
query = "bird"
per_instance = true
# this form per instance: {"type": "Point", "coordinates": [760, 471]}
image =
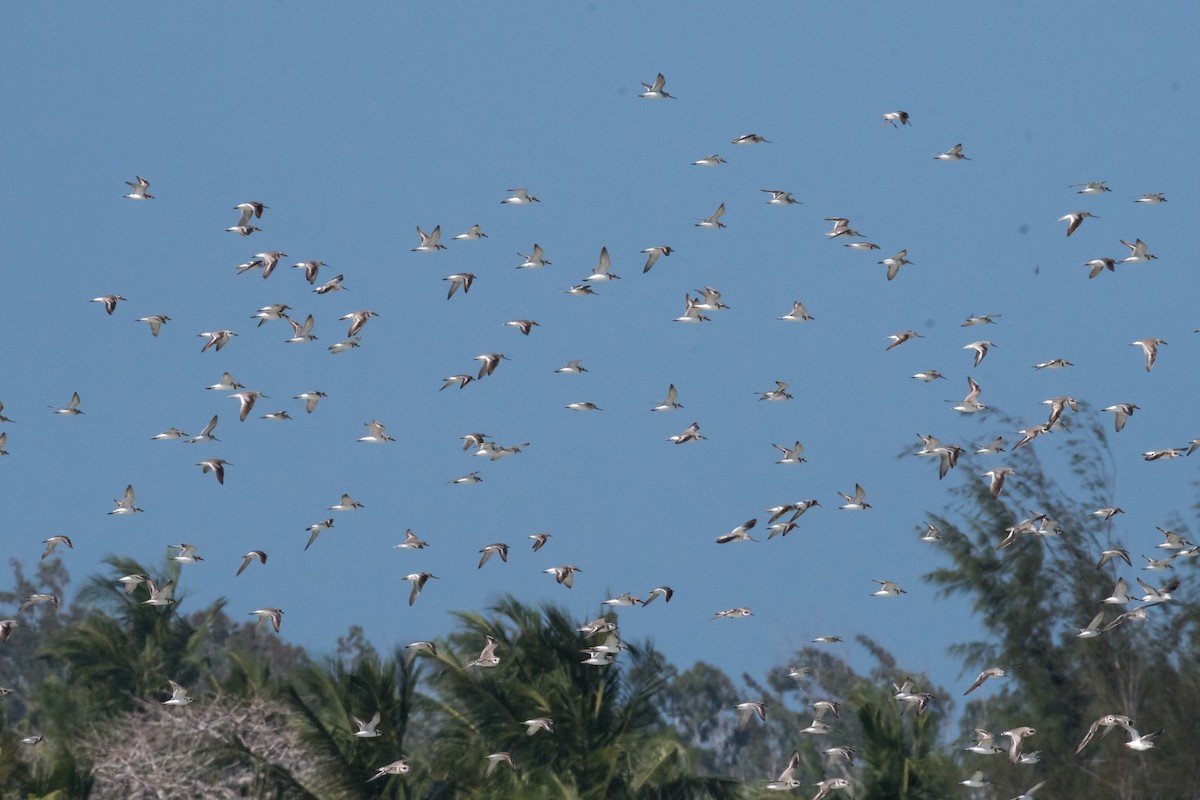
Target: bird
{"type": "Point", "coordinates": [39, 597]}
{"type": "Point", "coordinates": [888, 589]}
{"type": "Point", "coordinates": [670, 402]}
{"type": "Point", "coordinates": [301, 332]}
{"type": "Point", "coordinates": [977, 780]}
{"type": "Point", "coordinates": [583, 406]}
{"type": "Point", "coordinates": [215, 466]}
{"type": "Point", "coordinates": [109, 300]}
{"type": "Point", "coordinates": [841, 227]}
{"type": "Point", "coordinates": [346, 503]}
{"type": "Point", "coordinates": [342, 347]}
{"type": "Point", "coordinates": [779, 393]}
{"type": "Point", "coordinates": [495, 759]}
{"type": "Point", "coordinates": [411, 542]}
{"type": "Point", "coordinates": [266, 261]}
{"type": "Point", "coordinates": [572, 368]}
{"type": "Point", "coordinates": [469, 478]}
{"type": "Point", "coordinates": [1153, 199]}
{"type": "Point", "coordinates": [653, 253]}
{"type": "Point", "coordinates": [273, 615]}
{"type": "Point", "coordinates": [539, 540]}
{"type": "Point", "coordinates": [981, 319]}
{"type": "Point", "coordinates": [126, 505]}
{"type": "Point", "coordinates": [1150, 349]}
{"type": "Point", "coordinates": [367, 729]}
{"type": "Point", "coordinates": [499, 549]}
{"type": "Point", "coordinates": [603, 271]}
{"type": "Point", "coordinates": [655, 91]}
{"type": "Point", "coordinates": [691, 310]}
{"type": "Point", "coordinates": [1057, 406]}
{"type": "Point", "coordinates": [487, 657]}
{"type": "Point", "coordinates": [536, 724]}
{"type": "Point", "coordinates": [310, 399]}
{"type": "Point", "coordinates": [311, 270]}
{"type": "Point", "coordinates": [519, 197]}
{"type": "Point", "coordinates": [488, 363]}
{"type": "Point", "coordinates": [315, 530]}
{"type": "Point", "coordinates": [216, 339]}
{"type": "Point", "coordinates": [186, 554]}
{"type": "Point", "coordinates": [733, 613]}
{"type": "Point", "coordinates": [430, 242]}
{"type": "Point", "coordinates": [855, 503]}
{"type": "Point", "coordinates": [830, 785]}
{"type": "Point", "coordinates": [862, 246]}
{"type": "Point", "coordinates": [1075, 219]}
{"type": "Point", "coordinates": [748, 710]}
{"type": "Point", "coordinates": [798, 313]}
{"type": "Point", "coordinates": [564, 574]}
{"type": "Point", "coordinates": [206, 434]}
{"type": "Point", "coordinates": [980, 348]}
{"type": "Point", "coordinates": [1028, 793]}
{"type": "Point", "coordinates": [990, 672]}
{"type": "Point", "coordinates": [739, 534]}
{"type": "Point", "coordinates": [357, 320]}
{"type": "Point", "coordinates": [894, 263]}
{"type": "Point", "coordinates": [997, 476]}
{"type": "Point", "coordinates": [665, 592]}
{"type": "Point", "coordinates": [179, 696]}
{"type": "Point", "coordinates": [155, 321]}
{"type": "Point", "coordinates": [893, 117]}
{"type": "Point", "coordinates": [953, 154]}
{"type": "Point", "coordinates": [1111, 554]}
{"type": "Point", "coordinates": [1137, 252]}
{"type": "Point", "coordinates": [713, 221]}
{"type": "Point", "coordinates": [131, 582]}
{"type": "Point", "coordinates": [787, 779]}
{"type": "Point", "coordinates": [536, 260]}
{"type": "Point", "coordinates": [1091, 187]}
{"type": "Point", "coordinates": [2, 417]}
{"type": "Point", "coordinates": [750, 138]}
{"type": "Point", "coordinates": [900, 338]}
{"type": "Point", "coordinates": [1016, 738]}
{"type": "Point", "coordinates": [709, 161]}
{"type": "Point", "coordinates": [55, 541]}
{"type": "Point", "coordinates": [463, 279]}
{"type": "Point", "coordinates": [523, 325]}
{"type": "Point", "coordinates": [791, 455]}
{"type": "Point", "coordinates": [1054, 363]}
{"type": "Point", "coordinates": [246, 401]}
{"type": "Point", "coordinates": [249, 557]}
{"type": "Point", "coordinates": [71, 409]}
{"type": "Point", "coordinates": [1141, 741]}
{"type": "Point", "coordinates": [1098, 265]}
{"type": "Point", "coordinates": [580, 289]}
{"type": "Point", "coordinates": [474, 232]}
{"type": "Point", "coordinates": [970, 403]}
{"type": "Point", "coordinates": [334, 284]}
{"type": "Point", "coordinates": [139, 189]}
{"type": "Point", "coordinates": [250, 210]}
{"type": "Point", "coordinates": [377, 435]}
{"type": "Point", "coordinates": [1121, 413]}
{"type": "Point", "coordinates": [1093, 629]}
{"type": "Point", "coordinates": [461, 380]}
{"type": "Point", "coordinates": [418, 580]}
{"type": "Point", "coordinates": [398, 767]}
{"type": "Point", "coordinates": [780, 198]}
{"type": "Point", "coordinates": [929, 375]}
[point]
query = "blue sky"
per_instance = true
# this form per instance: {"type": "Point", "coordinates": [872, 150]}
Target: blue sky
{"type": "Point", "coordinates": [356, 127]}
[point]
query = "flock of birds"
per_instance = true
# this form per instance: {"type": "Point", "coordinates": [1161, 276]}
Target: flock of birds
{"type": "Point", "coordinates": [699, 307]}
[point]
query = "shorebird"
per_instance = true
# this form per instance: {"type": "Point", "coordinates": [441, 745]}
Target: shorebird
{"type": "Point", "coordinates": [779, 393]}
{"type": "Point", "coordinates": [315, 530]}
{"type": "Point", "coordinates": [494, 759]}
{"type": "Point", "coordinates": [536, 260]}
{"type": "Point", "coordinates": [247, 400]}
{"type": "Point", "coordinates": [523, 325]}
{"type": "Point", "coordinates": [894, 263]}
{"type": "Point", "coordinates": [855, 503]}
{"type": "Point", "coordinates": [977, 780]}
{"type": "Point", "coordinates": [1016, 738]}
{"type": "Point", "coordinates": [71, 409]}
{"type": "Point", "coordinates": [827, 640]}
{"type": "Point", "coordinates": [415, 648]}
{"type": "Point", "coordinates": [655, 91]}
{"type": "Point", "coordinates": [862, 246]}
{"type": "Point", "coordinates": [179, 696]}
{"type": "Point", "coordinates": [249, 557]}
{"type": "Point", "coordinates": [970, 403]}
{"type": "Point", "coordinates": [830, 785]}
{"type": "Point", "coordinates": [131, 582]}
{"type": "Point", "coordinates": [310, 399]}
{"type": "Point", "coordinates": [357, 320]}
{"type": "Point", "coordinates": [1121, 413]}
{"type": "Point", "coordinates": [669, 403]}
{"type": "Point", "coordinates": [418, 580]}
{"type": "Point", "coordinates": [155, 321]}
{"type": "Point", "coordinates": [665, 592]}
{"type": "Point", "coordinates": [347, 503]}
{"type": "Point", "coordinates": [499, 549]}
{"type": "Point", "coordinates": [206, 434]}
{"type": "Point", "coordinates": [691, 310]}
{"type": "Point", "coordinates": [929, 375]}
{"type": "Point", "coordinates": [461, 380]}
{"type": "Point", "coordinates": [888, 589]}
{"type": "Point", "coordinates": [732, 613]}
{"type": "Point", "coordinates": [715, 220]}
{"type": "Point", "coordinates": [1151, 199]}
{"type": "Point", "coordinates": [1098, 265]}
{"type": "Point", "coordinates": [266, 261]}
{"type": "Point", "coordinates": [1093, 629]}
{"type": "Point", "coordinates": [580, 289]}
{"type": "Point", "coordinates": [520, 197]}
{"type": "Point", "coordinates": [474, 232]}
{"type": "Point", "coordinates": [1137, 253]}
{"type": "Point", "coordinates": [750, 138]}
{"type": "Point", "coordinates": [1113, 553]}
{"type": "Point", "coordinates": [186, 554]}
{"type": "Point", "coordinates": [798, 313]}
{"type": "Point", "coordinates": [301, 332]}
{"type": "Point", "coordinates": [900, 338]}
{"type": "Point", "coordinates": [539, 540]}
{"type": "Point", "coordinates": [536, 724]}
{"type": "Point", "coordinates": [787, 779]}
{"type": "Point", "coordinates": [739, 534]}
{"type": "Point", "coordinates": [411, 542]}
{"type": "Point", "coordinates": [216, 339]}
{"type": "Point", "coordinates": [1075, 219]}
{"type": "Point", "coordinates": [603, 271]}
{"type": "Point", "coordinates": [342, 347]}
{"type": "Point", "coordinates": [841, 227]}
{"type": "Point", "coordinates": [980, 348]}
{"type": "Point", "coordinates": [274, 615]}
{"type": "Point", "coordinates": [1140, 741]}
{"type": "Point", "coordinates": [990, 672]}
{"type": "Point", "coordinates": [488, 363]}
{"type": "Point", "coordinates": [109, 300]}
{"type": "Point", "coordinates": [791, 455]}
{"type": "Point", "coordinates": [251, 210]}
{"type": "Point", "coordinates": [39, 597]}
{"type": "Point", "coordinates": [215, 466]}
{"type": "Point", "coordinates": [709, 161]}
{"type": "Point", "coordinates": [931, 534]}
{"type": "Point", "coordinates": [159, 595]}
{"type": "Point", "coordinates": [1150, 348]}
{"type": "Point", "coordinates": [430, 242]}
{"type": "Point", "coordinates": [1057, 406]}
{"type": "Point", "coordinates": [564, 574]}
{"type": "Point", "coordinates": [2, 417]}
{"type": "Point", "coordinates": [463, 279]}
{"type": "Point", "coordinates": [1054, 363]}
{"type": "Point", "coordinates": [652, 255]}
{"type": "Point", "coordinates": [583, 406]}
{"type": "Point", "coordinates": [55, 541]}
{"type": "Point", "coordinates": [311, 269]}
{"type": "Point", "coordinates": [780, 198]}
{"type": "Point", "coordinates": [748, 710]}
{"type": "Point", "coordinates": [378, 433]}
{"type": "Point", "coordinates": [572, 368]}
{"type": "Point", "coordinates": [953, 154]}
{"type": "Point", "coordinates": [985, 743]}
{"type": "Point", "coordinates": [1120, 594]}
{"type": "Point", "coordinates": [997, 476]}
{"type": "Point", "coordinates": [1091, 187]}
{"type": "Point", "coordinates": [139, 190]}
{"type": "Point", "coordinates": [334, 284]}
{"type": "Point", "coordinates": [126, 505]}
{"type": "Point", "coordinates": [981, 319]}
{"type": "Point", "coordinates": [1028, 793]}
{"type": "Point", "coordinates": [893, 117]}
{"type": "Point", "coordinates": [1162, 594]}
{"type": "Point", "coordinates": [487, 658]}
{"type": "Point", "coordinates": [367, 729]}
{"type": "Point", "coordinates": [398, 767]}
{"type": "Point", "coordinates": [469, 478]}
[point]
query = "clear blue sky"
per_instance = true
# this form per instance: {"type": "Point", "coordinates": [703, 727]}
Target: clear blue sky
{"type": "Point", "coordinates": [357, 126]}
